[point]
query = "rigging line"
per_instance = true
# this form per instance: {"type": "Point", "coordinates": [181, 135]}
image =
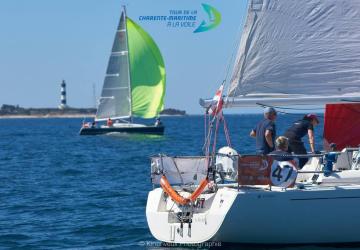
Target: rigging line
{"type": "Point", "coordinates": [283, 112]}
{"type": "Point", "coordinates": [207, 136]}
{"type": "Point", "coordinates": [205, 121]}
{"type": "Point", "coordinates": [279, 107]}
{"type": "Point", "coordinates": [207, 153]}
{"type": "Point", "coordinates": [349, 100]}
{"type": "Point", "coordinates": [177, 169]}
{"type": "Point", "coordinates": [215, 136]}
{"type": "Point", "coordinates": [226, 132]}
{"type": "Point", "coordinates": [206, 147]}
{"type": "Point", "coordinates": [198, 165]}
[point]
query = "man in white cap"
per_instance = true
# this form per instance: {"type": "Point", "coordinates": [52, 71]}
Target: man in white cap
{"type": "Point", "coordinates": [265, 132]}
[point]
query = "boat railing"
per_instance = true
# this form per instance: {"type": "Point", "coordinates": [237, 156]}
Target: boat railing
{"type": "Point", "coordinates": [309, 155]}
{"type": "Point", "coordinates": [251, 169]}
{"type": "Point", "coordinates": [188, 170]}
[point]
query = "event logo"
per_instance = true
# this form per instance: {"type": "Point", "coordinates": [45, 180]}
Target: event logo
{"type": "Point", "coordinates": [187, 19]}
{"type": "Point", "coordinates": [214, 19]}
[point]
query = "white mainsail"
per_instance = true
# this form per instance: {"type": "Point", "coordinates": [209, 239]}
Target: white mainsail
{"type": "Point", "coordinates": [115, 100]}
{"type": "Point", "coordinates": [298, 52]}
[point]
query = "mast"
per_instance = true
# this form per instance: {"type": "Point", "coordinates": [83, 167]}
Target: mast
{"type": "Point", "coordinates": [129, 70]}
{"type": "Point", "coordinates": [94, 95]}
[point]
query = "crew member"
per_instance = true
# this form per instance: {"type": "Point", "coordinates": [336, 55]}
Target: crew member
{"type": "Point", "coordinates": [109, 122]}
{"type": "Point", "coordinates": [158, 122]}
{"type": "Point", "coordinates": [297, 131]}
{"type": "Point", "coordinates": [265, 132]}
{"type": "Point", "coordinates": [281, 153]}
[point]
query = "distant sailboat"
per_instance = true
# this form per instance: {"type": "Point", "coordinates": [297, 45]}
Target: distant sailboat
{"type": "Point", "coordinates": [134, 84]}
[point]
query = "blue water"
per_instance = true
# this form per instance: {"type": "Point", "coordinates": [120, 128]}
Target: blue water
{"type": "Point", "coordinates": [59, 190]}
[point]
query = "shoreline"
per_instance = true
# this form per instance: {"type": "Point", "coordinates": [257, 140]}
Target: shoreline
{"type": "Point", "coordinates": [62, 116]}
{"type": "Point", "coordinates": [45, 116]}
{"type": "Point", "coordinates": [10, 111]}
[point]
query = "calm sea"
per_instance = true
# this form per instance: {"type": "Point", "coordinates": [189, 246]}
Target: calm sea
{"type": "Point", "coordinates": [59, 190]}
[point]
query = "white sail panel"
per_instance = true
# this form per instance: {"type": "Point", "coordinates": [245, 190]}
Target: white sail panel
{"type": "Point", "coordinates": [307, 47]}
{"type": "Point", "coordinates": [115, 96]}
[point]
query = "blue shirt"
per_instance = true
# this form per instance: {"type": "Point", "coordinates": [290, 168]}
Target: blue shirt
{"type": "Point", "coordinates": [262, 147]}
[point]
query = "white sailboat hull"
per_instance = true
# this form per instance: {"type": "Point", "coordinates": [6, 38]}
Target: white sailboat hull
{"type": "Point", "coordinates": [315, 214]}
{"type": "Point", "coordinates": [293, 217]}
{"type": "Point", "coordinates": [123, 128]}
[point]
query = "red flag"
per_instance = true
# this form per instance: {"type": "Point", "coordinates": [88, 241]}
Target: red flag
{"type": "Point", "coordinates": [217, 102]}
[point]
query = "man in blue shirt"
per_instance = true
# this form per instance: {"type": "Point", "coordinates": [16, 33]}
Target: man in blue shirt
{"type": "Point", "coordinates": [265, 132]}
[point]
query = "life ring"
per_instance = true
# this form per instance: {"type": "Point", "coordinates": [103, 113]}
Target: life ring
{"type": "Point", "coordinates": [175, 196]}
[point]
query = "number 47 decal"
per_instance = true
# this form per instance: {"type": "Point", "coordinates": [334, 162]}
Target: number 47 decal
{"type": "Point", "coordinates": [277, 172]}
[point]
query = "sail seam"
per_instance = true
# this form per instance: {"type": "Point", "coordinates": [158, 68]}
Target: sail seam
{"type": "Point", "coordinates": [118, 88]}
{"type": "Point", "coordinates": [117, 74]}
{"type": "Point", "coordinates": [121, 53]}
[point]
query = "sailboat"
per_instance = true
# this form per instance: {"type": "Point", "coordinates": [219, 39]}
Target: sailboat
{"type": "Point", "coordinates": [134, 84]}
{"type": "Point", "coordinates": [291, 53]}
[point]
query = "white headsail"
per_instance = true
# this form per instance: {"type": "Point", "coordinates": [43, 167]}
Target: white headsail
{"type": "Point", "coordinates": [298, 52]}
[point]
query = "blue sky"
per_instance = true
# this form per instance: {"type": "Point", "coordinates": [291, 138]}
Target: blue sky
{"type": "Point", "coordinates": [43, 42]}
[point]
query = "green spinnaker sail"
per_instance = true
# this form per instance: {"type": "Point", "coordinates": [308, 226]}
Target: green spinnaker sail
{"type": "Point", "coordinates": [147, 73]}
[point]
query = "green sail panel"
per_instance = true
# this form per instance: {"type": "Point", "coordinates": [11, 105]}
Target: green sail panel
{"type": "Point", "coordinates": [147, 73]}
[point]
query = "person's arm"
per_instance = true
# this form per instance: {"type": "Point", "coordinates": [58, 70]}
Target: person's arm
{"type": "Point", "coordinates": [253, 133]}
{"type": "Point", "coordinates": [311, 140]}
{"type": "Point", "coordinates": [268, 138]}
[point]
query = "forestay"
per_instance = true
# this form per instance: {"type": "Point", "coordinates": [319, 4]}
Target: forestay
{"type": "Point", "coordinates": [295, 51]}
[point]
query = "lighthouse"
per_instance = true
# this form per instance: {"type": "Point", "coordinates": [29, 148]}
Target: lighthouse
{"type": "Point", "coordinates": [63, 96]}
